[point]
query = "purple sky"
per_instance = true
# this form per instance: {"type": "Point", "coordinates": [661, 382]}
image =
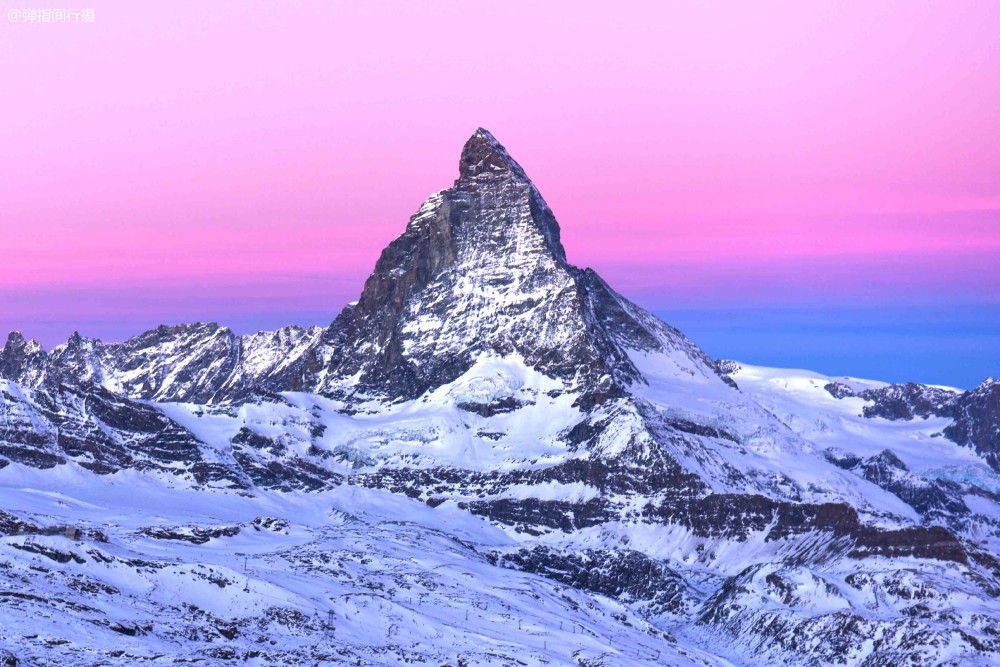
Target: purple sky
{"type": "Point", "coordinates": [246, 161]}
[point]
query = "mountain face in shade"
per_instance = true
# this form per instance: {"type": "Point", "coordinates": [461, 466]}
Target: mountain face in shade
{"type": "Point", "coordinates": [977, 421]}
{"type": "Point", "coordinates": [22, 360]}
{"type": "Point", "coordinates": [492, 458]}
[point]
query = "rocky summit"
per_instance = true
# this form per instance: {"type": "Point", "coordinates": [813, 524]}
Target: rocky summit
{"type": "Point", "coordinates": [491, 458]}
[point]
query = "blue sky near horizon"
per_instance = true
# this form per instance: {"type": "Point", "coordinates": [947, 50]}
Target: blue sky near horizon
{"type": "Point", "coordinates": [953, 345]}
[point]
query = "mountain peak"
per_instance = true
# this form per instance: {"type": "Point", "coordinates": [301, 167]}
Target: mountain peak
{"type": "Point", "coordinates": [484, 156]}
{"type": "Point", "coordinates": [486, 163]}
{"type": "Point", "coordinates": [17, 342]}
{"type": "Point", "coordinates": [20, 359]}
{"type": "Point", "coordinates": [480, 271]}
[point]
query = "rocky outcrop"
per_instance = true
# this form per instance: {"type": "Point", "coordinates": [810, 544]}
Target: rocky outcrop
{"type": "Point", "coordinates": [738, 516]}
{"type": "Point", "coordinates": [22, 360]}
{"type": "Point", "coordinates": [934, 499]}
{"type": "Point", "coordinates": [907, 401]}
{"type": "Point", "coordinates": [977, 421]}
{"type": "Point", "coordinates": [624, 574]}
{"type": "Point", "coordinates": [839, 390]}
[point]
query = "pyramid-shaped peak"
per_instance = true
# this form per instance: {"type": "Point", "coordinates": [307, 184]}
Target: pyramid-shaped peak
{"type": "Point", "coordinates": [484, 156]}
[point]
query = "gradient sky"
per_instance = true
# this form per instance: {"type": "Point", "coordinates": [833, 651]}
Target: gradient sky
{"type": "Point", "coordinates": [805, 166]}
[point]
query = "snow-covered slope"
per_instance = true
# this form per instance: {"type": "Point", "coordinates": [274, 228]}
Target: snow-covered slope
{"type": "Point", "coordinates": [491, 458]}
{"type": "Point", "coordinates": [356, 575]}
{"type": "Point", "coordinates": [429, 509]}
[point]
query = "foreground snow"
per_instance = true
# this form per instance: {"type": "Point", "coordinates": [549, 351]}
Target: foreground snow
{"type": "Point", "coordinates": [163, 569]}
{"type": "Point", "coordinates": [289, 579]}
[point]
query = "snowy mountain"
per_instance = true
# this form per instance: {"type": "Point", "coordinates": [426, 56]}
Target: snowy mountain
{"type": "Point", "coordinates": [492, 458]}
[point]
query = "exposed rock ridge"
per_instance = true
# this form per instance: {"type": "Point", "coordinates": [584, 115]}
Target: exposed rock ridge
{"type": "Point", "coordinates": [200, 363]}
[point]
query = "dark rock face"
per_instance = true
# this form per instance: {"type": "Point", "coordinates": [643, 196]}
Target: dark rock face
{"type": "Point", "coordinates": [608, 477]}
{"type": "Point", "coordinates": [736, 516]}
{"type": "Point", "coordinates": [725, 368]}
{"type": "Point", "coordinates": [934, 542]}
{"type": "Point", "coordinates": [906, 401]}
{"type": "Point", "coordinates": [728, 366]}
{"type": "Point", "coordinates": [899, 401]}
{"type": "Point", "coordinates": [194, 535]}
{"type": "Point", "coordinates": [977, 421]}
{"type": "Point", "coordinates": [625, 575]}
{"type": "Point", "coordinates": [268, 466]}
{"type": "Point", "coordinates": [21, 359]}
{"type": "Point", "coordinates": [884, 468]}
{"type": "Point", "coordinates": [13, 525]}
{"type": "Point", "coordinates": [839, 390]}
{"type": "Point", "coordinates": [933, 499]}
{"type": "Point", "coordinates": [530, 515]}
{"type": "Point", "coordinates": [497, 407]}
{"type": "Point", "coordinates": [694, 428]}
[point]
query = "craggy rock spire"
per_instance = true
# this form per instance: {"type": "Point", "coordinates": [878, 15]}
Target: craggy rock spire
{"type": "Point", "coordinates": [483, 156]}
{"type": "Point", "coordinates": [480, 270]}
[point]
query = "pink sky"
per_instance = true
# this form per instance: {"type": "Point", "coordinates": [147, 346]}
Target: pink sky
{"type": "Point", "coordinates": [214, 160]}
